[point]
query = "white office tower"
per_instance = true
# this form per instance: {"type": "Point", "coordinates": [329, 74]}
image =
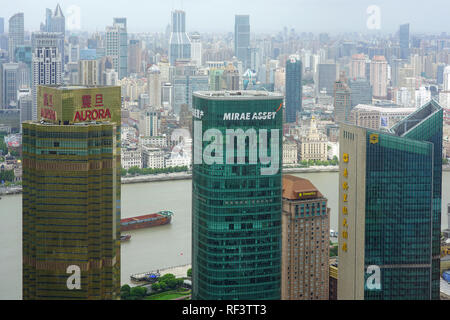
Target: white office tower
{"type": "Point", "coordinates": [447, 78]}
{"type": "Point", "coordinates": [179, 43]}
{"type": "Point", "coordinates": [154, 86]}
{"type": "Point", "coordinates": [46, 63]}
{"type": "Point", "coordinates": [196, 49]}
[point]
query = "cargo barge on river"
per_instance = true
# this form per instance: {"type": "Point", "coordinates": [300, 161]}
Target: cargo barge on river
{"type": "Point", "coordinates": [146, 221]}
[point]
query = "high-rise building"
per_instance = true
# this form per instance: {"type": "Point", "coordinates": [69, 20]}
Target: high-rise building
{"type": "Point", "coordinates": [16, 34]}
{"type": "Point", "coordinates": [378, 77]}
{"type": "Point", "coordinates": [179, 43]}
{"type": "Point", "coordinates": [403, 35]}
{"type": "Point", "coordinates": [358, 66]}
{"type": "Point", "coordinates": [196, 49]}
{"type": "Point", "coordinates": [9, 84]}
{"type": "Point", "coordinates": [2, 25]}
{"type": "Point", "coordinates": [135, 57]}
{"type": "Point", "coordinates": [71, 201]}
{"type": "Point", "coordinates": [236, 195]}
{"type": "Point", "coordinates": [242, 39]}
{"type": "Point", "coordinates": [25, 104]}
{"type": "Point", "coordinates": [154, 86]}
{"type": "Point", "coordinates": [293, 84]}
{"type": "Point", "coordinates": [184, 86]}
{"type": "Point", "coordinates": [360, 92]}
{"type": "Point", "coordinates": [56, 22]}
{"type": "Point", "coordinates": [121, 25]}
{"type": "Point", "coordinates": [88, 71]}
{"type": "Point", "coordinates": [305, 245]}
{"type": "Point", "coordinates": [326, 76]}
{"type": "Point", "coordinates": [112, 46]}
{"type": "Point", "coordinates": [342, 103]}
{"type": "Point", "coordinates": [440, 73]}
{"type": "Point", "coordinates": [149, 123]}
{"type": "Point", "coordinates": [46, 62]}
{"type": "Point", "coordinates": [390, 208]}
{"type": "Point", "coordinates": [446, 79]}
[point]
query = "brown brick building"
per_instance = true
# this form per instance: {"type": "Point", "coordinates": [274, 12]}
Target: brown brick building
{"type": "Point", "coordinates": [305, 241]}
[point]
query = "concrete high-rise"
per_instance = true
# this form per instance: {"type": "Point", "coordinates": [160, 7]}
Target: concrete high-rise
{"type": "Point", "coordinates": [46, 62]}
{"type": "Point", "coordinates": [135, 57]}
{"type": "Point", "coordinates": [358, 66]}
{"type": "Point", "coordinates": [16, 34]}
{"type": "Point", "coordinates": [378, 77]}
{"type": "Point", "coordinates": [446, 79]}
{"type": "Point", "coordinates": [154, 86]}
{"type": "Point", "coordinates": [183, 88]}
{"type": "Point", "coordinates": [88, 72]}
{"type": "Point", "coordinates": [179, 43]}
{"type": "Point", "coordinates": [25, 104]}
{"type": "Point", "coordinates": [305, 226]}
{"type": "Point", "coordinates": [2, 25]}
{"type": "Point", "coordinates": [71, 195]}
{"type": "Point", "coordinates": [342, 103]}
{"type": "Point", "coordinates": [242, 39]}
{"type": "Point", "coordinates": [56, 22]}
{"type": "Point", "coordinates": [117, 46]}
{"type": "Point", "coordinates": [390, 209]}
{"type": "Point", "coordinates": [236, 195]}
{"type": "Point", "coordinates": [121, 25]}
{"type": "Point", "coordinates": [293, 102]}
{"type": "Point", "coordinates": [326, 76]}
{"type": "Point", "coordinates": [360, 92]}
{"type": "Point", "coordinates": [9, 84]}
{"type": "Point", "coordinates": [196, 49]}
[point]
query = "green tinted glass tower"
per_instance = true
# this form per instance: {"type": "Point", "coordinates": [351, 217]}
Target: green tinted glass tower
{"type": "Point", "coordinates": [236, 195]}
{"type": "Point", "coordinates": [390, 209]}
{"type": "Point", "coordinates": [71, 195]}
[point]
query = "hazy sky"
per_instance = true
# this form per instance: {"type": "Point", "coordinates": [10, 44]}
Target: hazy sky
{"type": "Point", "coordinates": [265, 15]}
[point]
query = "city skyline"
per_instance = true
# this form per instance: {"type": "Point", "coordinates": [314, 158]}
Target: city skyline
{"type": "Point", "coordinates": [340, 16]}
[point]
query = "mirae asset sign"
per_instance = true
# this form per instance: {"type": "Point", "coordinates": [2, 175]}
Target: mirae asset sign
{"type": "Point", "coordinates": [249, 116]}
{"type": "Point", "coordinates": [214, 145]}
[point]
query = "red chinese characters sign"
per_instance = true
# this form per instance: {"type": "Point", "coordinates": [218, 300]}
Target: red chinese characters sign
{"type": "Point", "coordinates": [92, 111]}
{"type": "Point", "coordinates": [47, 103]}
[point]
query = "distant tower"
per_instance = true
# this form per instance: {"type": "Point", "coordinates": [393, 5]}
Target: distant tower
{"type": "Point", "coordinates": [358, 66]}
{"type": "Point", "coordinates": [378, 77]}
{"type": "Point", "coordinates": [121, 25]}
{"type": "Point", "coordinates": [46, 62]}
{"type": "Point", "coordinates": [293, 88]}
{"type": "Point", "coordinates": [404, 40]}
{"type": "Point", "coordinates": [242, 39]}
{"type": "Point", "coordinates": [154, 86]}
{"type": "Point", "coordinates": [179, 43]}
{"type": "Point", "coordinates": [446, 78]}
{"type": "Point", "coordinates": [342, 103]}
{"type": "Point", "coordinates": [196, 49]}
{"type": "Point", "coordinates": [16, 33]}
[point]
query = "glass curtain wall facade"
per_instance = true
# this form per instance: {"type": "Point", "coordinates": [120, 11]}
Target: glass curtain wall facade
{"type": "Point", "coordinates": [69, 212]}
{"type": "Point", "coordinates": [293, 88]}
{"type": "Point", "coordinates": [71, 194]}
{"type": "Point", "coordinates": [390, 209]}
{"type": "Point", "coordinates": [236, 211]}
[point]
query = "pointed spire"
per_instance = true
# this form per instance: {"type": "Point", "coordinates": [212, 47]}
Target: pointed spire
{"type": "Point", "coordinates": [58, 11]}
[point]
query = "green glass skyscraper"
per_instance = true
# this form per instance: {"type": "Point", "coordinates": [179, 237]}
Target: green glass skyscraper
{"type": "Point", "coordinates": [390, 209]}
{"type": "Point", "coordinates": [236, 195]}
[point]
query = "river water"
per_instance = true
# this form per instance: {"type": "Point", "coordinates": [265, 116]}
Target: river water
{"type": "Point", "coordinates": [153, 248]}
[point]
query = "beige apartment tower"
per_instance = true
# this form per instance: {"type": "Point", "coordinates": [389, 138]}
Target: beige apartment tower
{"type": "Point", "coordinates": [305, 241]}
